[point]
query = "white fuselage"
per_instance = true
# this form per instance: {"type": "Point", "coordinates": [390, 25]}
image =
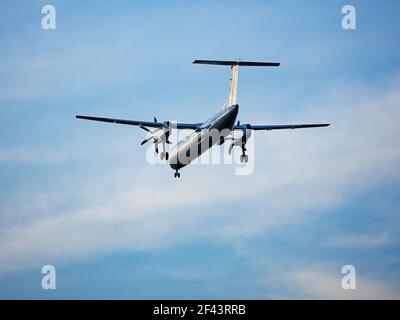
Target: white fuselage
{"type": "Point", "coordinates": [213, 131]}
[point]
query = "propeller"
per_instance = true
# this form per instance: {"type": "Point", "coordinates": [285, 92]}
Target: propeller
{"type": "Point", "coordinates": [148, 139]}
{"type": "Point", "coordinates": [159, 135]}
{"type": "Point", "coordinates": [236, 143]}
{"type": "Point", "coordinates": [145, 141]}
{"type": "Point", "coordinates": [230, 148]}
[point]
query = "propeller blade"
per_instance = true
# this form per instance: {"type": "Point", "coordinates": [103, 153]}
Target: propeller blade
{"type": "Point", "coordinates": [230, 149]}
{"type": "Point", "coordinates": [146, 129]}
{"type": "Point", "coordinates": [145, 141]}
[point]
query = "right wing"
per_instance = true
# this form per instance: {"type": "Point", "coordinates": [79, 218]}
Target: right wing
{"type": "Point", "coordinates": [149, 124]}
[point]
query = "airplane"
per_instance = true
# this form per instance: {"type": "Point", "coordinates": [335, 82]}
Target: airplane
{"type": "Point", "coordinates": [206, 134]}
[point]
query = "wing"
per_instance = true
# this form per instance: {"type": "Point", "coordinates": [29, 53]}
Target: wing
{"type": "Point", "coordinates": [150, 124]}
{"type": "Point", "coordinates": [279, 126]}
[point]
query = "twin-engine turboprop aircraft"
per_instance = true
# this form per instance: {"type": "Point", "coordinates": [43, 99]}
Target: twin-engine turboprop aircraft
{"type": "Point", "coordinates": [205, 134]}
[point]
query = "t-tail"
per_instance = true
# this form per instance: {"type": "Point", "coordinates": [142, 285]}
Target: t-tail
{"type": "Point", "coordinates": [235, 73]}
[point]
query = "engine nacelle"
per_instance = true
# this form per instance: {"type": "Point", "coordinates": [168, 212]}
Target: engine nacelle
{"type": "Point", "coordinates": [163, 133]}
{"type": "Point", "coordinates": [241, 136]}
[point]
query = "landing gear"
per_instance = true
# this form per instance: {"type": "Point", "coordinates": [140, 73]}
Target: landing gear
{"type": "Point", "coordinates": [177, 174]}
{"type": "Point", "coordinates": [244, 157]}
{"type": "Point", "coordinates": [164, 155]}
{"type": "Point", "coordinates": [240, 139]}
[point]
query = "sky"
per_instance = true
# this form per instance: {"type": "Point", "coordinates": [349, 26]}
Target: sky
{"type": "Point", "coordinates": [82, 196]}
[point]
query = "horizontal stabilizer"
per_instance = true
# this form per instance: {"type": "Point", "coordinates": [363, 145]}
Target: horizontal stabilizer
{"type": "Point", "coordinates": [238, 63]}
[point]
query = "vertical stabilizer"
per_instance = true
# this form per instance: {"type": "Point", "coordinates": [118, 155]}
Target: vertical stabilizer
{"type": "Point", "coordinates": [235, 73]}
{"type": "Point", "coordinates": [234, 85]}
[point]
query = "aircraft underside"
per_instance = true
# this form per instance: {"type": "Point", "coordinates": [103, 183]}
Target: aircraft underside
{"type": "Point", "coordinates": [205, 134]}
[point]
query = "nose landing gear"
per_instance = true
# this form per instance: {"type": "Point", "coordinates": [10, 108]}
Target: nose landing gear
{"type": "Point", "coordinates": [177, 174]}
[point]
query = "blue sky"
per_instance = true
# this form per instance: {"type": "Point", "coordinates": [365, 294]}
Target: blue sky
{"type": "Point", "coordinates": [82, 197]}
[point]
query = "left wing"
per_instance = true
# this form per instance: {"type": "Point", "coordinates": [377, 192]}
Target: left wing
{"type": "Point", "coordinates": [279, 126]}
{"type": "Point", "coordinates": [150, 124]}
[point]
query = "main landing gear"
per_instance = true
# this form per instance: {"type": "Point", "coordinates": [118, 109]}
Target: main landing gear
{"type": "Point", "coordinates": [164, 155]}
{"type": "Point", "coordinates": [244, 157]}
{"type": "Point", "coordinates": [177, 174]}
{"type": "Point", "coordinates": [240, 138]}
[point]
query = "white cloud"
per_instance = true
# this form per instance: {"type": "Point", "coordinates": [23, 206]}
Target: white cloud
{"type": "Point", "coordinates": [362, 240]}
{"type": "Point", "coordinates": [324, 282]}
{"type": "Point", "coordinates": [31, 156]}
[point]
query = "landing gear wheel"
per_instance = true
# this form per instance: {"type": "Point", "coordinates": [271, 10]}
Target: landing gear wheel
{"type": "Point", "coordinates": [166, 156]}
{"type": "Point", "coordinates": [162, 155]}
{"type": "Point", "coordinates": [246, 158]}
{"type": "Point", "coordinates": [179, 174]}
{"type": "Point", "coordinates": [241, 158]}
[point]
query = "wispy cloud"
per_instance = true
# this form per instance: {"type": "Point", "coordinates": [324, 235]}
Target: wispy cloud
{"type": "Point", "coordinates": [296, 173]}
{"type": "Point", "coordinates": [362, 240]}
{"type": "Point", "coordinates": [19, 155]}
{"type": "Point", "coordinates": [72, 191]}
{"type": "Point", "coordinates": [323, 281]}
